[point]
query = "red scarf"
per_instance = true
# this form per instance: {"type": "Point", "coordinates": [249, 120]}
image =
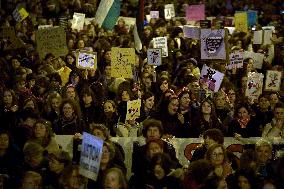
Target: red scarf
{"type": "Point", "coordinates": [243, 122]}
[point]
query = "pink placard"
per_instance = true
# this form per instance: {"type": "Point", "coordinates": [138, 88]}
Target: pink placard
{"type": "Point", "coordinates": [195, 12]}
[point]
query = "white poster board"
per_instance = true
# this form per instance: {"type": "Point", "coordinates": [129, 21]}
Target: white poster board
{"type": "Point", "coordinates": [236, 60]}
{"type": "Point", "coordinates": [211, 77]}
{"type": "Point", "coordinates": [78, 21]}
{"type": "Point", "coordinates": [154, 56]}
{"type": "Point", "coordinates": [273, 80]}
{"type": "Point", "coordinates": [169, 11]}
{"type": "Point", "coordinates": [86, 60]}
{"type": "Point", "coordinates": [161, 42]}
{"type": "Point", "coordinates": [254, 85]}
{"type": "Point", "coordinates": [257, 58]}
{"type": "Point", "coordinates": [91, 153]}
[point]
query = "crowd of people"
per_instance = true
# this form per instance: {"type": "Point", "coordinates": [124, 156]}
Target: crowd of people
{"type": "Point", "coordinates": [41, 98]}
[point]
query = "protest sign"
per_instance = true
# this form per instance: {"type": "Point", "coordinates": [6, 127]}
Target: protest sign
{"type": "Point", "coordinates": [257, 58]}
{"type": "Point", "coordinates": [63, 22]}
{"type": "Point", "coordinates": [51, 40]}
{"type": "Point", "coordinates": [91, 154]}
{"type": "Point", "coordinates": [254, 85]}
{"type": "Point", "coordinates": [154, 14]}
{"type": "Point", "coordinates": [78, 21]}
{"type": "Point", "coordinates": [11, 41]}
{"type": "Point", "coordinates": [267, 35]}
{"type": "Point", "coordinates": [20, 13]}
{"type": "Point", "coordinates": [211, 77]}
{"type": "Point", "coordinates": [236, 60]}
{"type": "Point", "coordinates": [252, 18]}
{"type": "Point", "coordinates": [122, 60]}
{"type": "Point", "coordinates": [241, 21]}
{"type": "Point", "coordinates": [161, 42]}
{"type": "Point", "coordinates": [44, 27]}
{"type": "Point", "coordinates": [86, 60]}
{"type": "Point", "coordinates": [273, 80]}
{"type": "Point", "coordinates": [133, 109]}
{"type": "Point", "coordinates": [213, 44]}
{"type": "Point", "coordinates": [195, 12]}
{"type": "Point", "coordinates": [257, 37]}
{"type": "Point", "coordinates": [7, 33]}
{"type": "Point", "coordinates": [205, 24]}
{"type": "Point", "coordinates": [154, 56]}
{"type": "Point", "coordinates": [231, 29]}
{"type": "Point", "coordinates": [169, 11]}
{"type": "Point", "coordinates": [191, 32]}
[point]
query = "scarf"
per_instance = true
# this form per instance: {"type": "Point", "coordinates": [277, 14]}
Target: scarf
{"type": "Point", "coordinates": [243, 122]}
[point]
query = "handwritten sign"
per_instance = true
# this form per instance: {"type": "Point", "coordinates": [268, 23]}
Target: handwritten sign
{"type": "Point", "coordinates": [195, 12]}
{"type": "Point", "coordinates": [212, 44]}
{"type": "Point", "coordinates": [191, 32]}
{"type": "Point", "coordinates": [257, 37]}
{"type": "Point", "coordinates": [133, 109]}
{"type": "Point", "coordinates": [19, 14]}
{"type": "Point", "coordinates": [236, 60]}
{"type": "Point", "coordinates": [273, 80]}
{"type": "Point", "coordinates": [78, 21]}
{"type": "Point", "coordinates": [241, 21]}
{"type": "Point", "coordinates": [122, 60]}
{"type": "Point", "coordinates": [169, 11]}
{"type": "Point", "coordinates": [267, 35]}
{"type": "Point", "coordinates": [154, 56]}
{"type": "Point", "coordinates": [51, 40]}
{"type": "Point", "coordinates": [254, 85]}
{"type": "Point", "coordinates": [205, 24]}
{"type": "Point", "coordinates": [211, 77]}
{"type": "Point", "coordinates": [86, 60]}
{"type": "Point", "coordinates": [91, 154]}
{"type": "Point", "coordinates": [257, 58]}
{"type": "Point", "coordinates": [154, 14]}
{"type": "Point", "coordinates": [161, 42]}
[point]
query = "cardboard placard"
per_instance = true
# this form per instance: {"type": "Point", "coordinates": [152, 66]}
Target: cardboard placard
{"type": "Point", "coordinates": [91, 154]}
{"type": "Point", "coordinates": [257, 37]}
{"type": "Point", "coordinates": [154, 56]}
{"type": "Point", "coordinates": [195, 12]}
{"type": "Point", "coordinates": [122, 60]}
{"type": "Point", "coordinates": [213, 44]}
{"type": "Point", "coordinates": [252, 18]}
{"type": "Point", "coordinates": [236, 60]}
{"type": "Point", "coordinates": [273, 80]}
{"type": "Point", "coordinates": [51, 40]}
{"type": "Point", "coordinates": [191, 32]}
{"type": "Point", "coordinates": [254, 85]}
{"type": "Point", "coordinates": [154, 14]}
{"type": "Point", "coordinates": [133, 109]}
{"type": "Point", "coordinates": [241, 21]}
{"type": "Point", "coordinates": [86, 60]}
{"type": "Point", "coordinates": [267, 35]}
{"type": "Point", "coordinates": [169, 11]}
{"type": "Point", "coordinates": [211, 77]}
{"type": "Point", "coordinates": [205, 24]}
{"type": "Point", "coordinates": [161, 42]}
{"type": "Point", "coordinates": [78, 21]}
{"type": "Point", "coordinates": [257, 58]}
{"type": "Point", "coordinates": [20, 13]}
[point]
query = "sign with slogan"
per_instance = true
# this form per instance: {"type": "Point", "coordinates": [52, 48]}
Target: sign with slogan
{"type": "Point", "coordinates": [161, 42]}
{"type": "Point", "coordinates": [236, 60]}
{"type": "Point", "coordinates": [191, 32]}
{"type": "Point", "coordinates": [195, 12]}
{"type": "Point", "coordinates": [213, 44]}
{"type": "Point", "coordinates": [241, 21]}
{"type": "Point", "coordinates": [257, 58]}
{"type": "Point", "coordinates": [51, 40]}
{"type": "Point", "coordinates": [133, 109]}
{"type": "Point", "coordinates": [252, 18]}
{"type": "Point", "coordinates": [20, 13]}
{"type": "Point", "coordinates": [91, 154]}
{"type": "Point", "coordinates": [169, 11]}
{"type": "Point", "coordinates": [86, 60]}
{"type": "Point", "coordinates": [11, 41]}
{"type": "Point", "coordinates": [78, 21]}
{"type": "Point", "coordinates": [211, 77]}
{"type": "Point", "coordinates": [205, 24]}
{"type": "Point", "coordinates": [254, 85]}
{"type": "Point", "coordinates": [154, 56]}
{"type": "Point", "coordinates": [122, 60]}
{"type": "Point", "coordinates": [154, 14]}
{"type": "Point", "coordinates": [273, 80]}
{"type": "Point", "coordinates": [267, 35]}
{"type": "Point", "coordinates": [44, 27]}
{"type": "Point", "coordinates": [257, 37]}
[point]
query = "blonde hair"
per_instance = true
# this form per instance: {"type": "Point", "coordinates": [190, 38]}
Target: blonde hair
{"type": "Point", "coordinates": [35, 176]}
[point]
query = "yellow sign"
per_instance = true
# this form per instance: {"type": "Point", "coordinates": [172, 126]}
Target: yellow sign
{"type": "Point", "coordinates": [133, 109]}
{"type": "Point", "coordinates": [20, 14]}
{"type": "Point", "coordinates": [241, 21]}
{"type": "Point", "coordinates": [122, 60]}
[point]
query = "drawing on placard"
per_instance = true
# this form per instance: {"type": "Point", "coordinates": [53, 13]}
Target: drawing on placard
{"type": "Point", "coordinates": [154, 56]}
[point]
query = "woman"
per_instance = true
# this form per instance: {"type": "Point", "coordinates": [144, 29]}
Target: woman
{"type": "Point", "coordinates": [214, 182]}
{"type": "Point", "coordinates": [44, 136]}
{"type": "Point", "coordinates": [171, 119]}
{"type": "Point", "coordinates": [275, 129]}
{"type": "Point", "coordinates": [69, 121]}
{"type": "Point", "coordinates": [243, 123]}
{"type": "Point", "coordinates": [217, 155]}
{"type": "Point", "coordinates": [147, 107]}
{"type": "Point", "coordinates": [71, 179]}
{"type": "Point", "coordinates": [8, 109]}
{"type": "Point", "coordinates": [31, 180]}
{"type": "Point", "coordinates": [207, 119]}
{"type": "Point", "coordinates": [244, 179]}
{"type": "Point", "coordinates": [52, 110]}
{"type": "Point", "coordinates": [114, 179]}
{"type": "Point", "coordinates": [160, 167]}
